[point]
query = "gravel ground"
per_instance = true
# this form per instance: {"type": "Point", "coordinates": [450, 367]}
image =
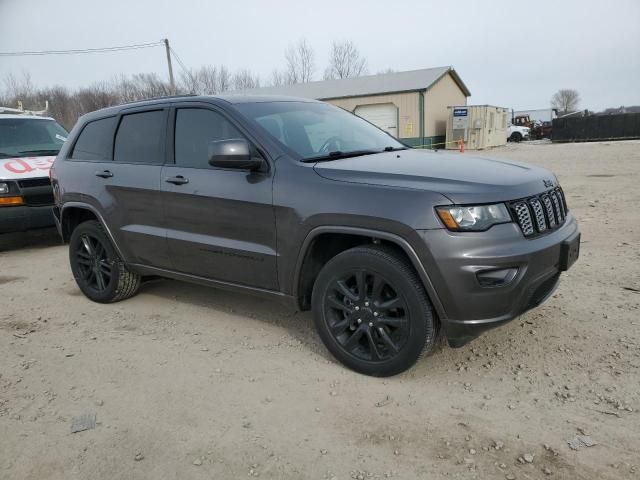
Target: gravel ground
{"type": "Point", "coordinates": [189, 382]}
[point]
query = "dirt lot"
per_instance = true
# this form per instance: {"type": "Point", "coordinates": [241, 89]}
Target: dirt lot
{"type": "Point", "coordinates": [189, 382]}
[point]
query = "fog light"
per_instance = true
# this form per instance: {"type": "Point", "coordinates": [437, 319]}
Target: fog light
{"type": "Point", "coordinates": [4, 188]}
{"type": "Point", "coordinates": [496, 278]}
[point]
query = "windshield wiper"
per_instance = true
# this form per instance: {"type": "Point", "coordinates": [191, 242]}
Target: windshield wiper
{"type": "Point", "coordinates": [338, 154]}
{"type": "Point", "coordinates": [394, 149]}
{"type": "Point", "coordinates": [5, 155]}
{"type": "Point", "coordinates": [39, 152]}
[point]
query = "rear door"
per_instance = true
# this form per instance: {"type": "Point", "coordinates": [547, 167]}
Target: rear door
{"type": "Point", "coordinates": [132, 181]}
{"type": "Point", "coordinates": [220, 222]}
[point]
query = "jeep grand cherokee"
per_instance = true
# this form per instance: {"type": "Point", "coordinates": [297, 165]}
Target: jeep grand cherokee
{"type": "Point", "coordinates": [390, 247]}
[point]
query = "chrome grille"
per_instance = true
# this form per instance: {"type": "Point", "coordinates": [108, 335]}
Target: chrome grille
{"type": "Point", "coordinates": [524, 218]}
{"type": "Point", "coordinates": [551, 216]}
{"type": "Point", "coordinates": [541, 213]}
{"type": "Point", "coordinates": [538, 212]}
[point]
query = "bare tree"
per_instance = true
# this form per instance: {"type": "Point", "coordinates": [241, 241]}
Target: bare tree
{"type": "Point", "coordinates": [244, 79]}
{"type": "Point", "coordinates": [207, 80]}
{"type": "Point", "coordinates": [386, 70]}
{"type": "Point", "coordinates": [566, 100]}
{"type": "Point", "coordinates": [300, 60]}
{"type": "Point", "coordinates": [278, 78]}
{"type": "Point", "coordinates": [345, 61]}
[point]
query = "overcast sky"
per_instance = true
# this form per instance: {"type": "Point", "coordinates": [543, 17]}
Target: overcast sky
{"type": "Point", "coordinates": [510, 53]}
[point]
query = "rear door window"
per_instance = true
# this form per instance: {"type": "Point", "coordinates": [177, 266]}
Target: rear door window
{"type": "Point", "coordinates": [195, 128]}
{"type": "Point", "coordinates": [95, 140]}
{"type": "Point", "coordinates": [140, 138]}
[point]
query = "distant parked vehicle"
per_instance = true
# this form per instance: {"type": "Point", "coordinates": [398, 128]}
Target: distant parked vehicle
{"type": "Point", "coordinates": [28, 146]}
{"type": "Point", "coordinates": [516, 133]}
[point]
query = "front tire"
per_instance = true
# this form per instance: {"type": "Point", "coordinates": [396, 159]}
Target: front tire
{"type": "Point", "coordinates": [371, 311]}
{"type": "Point", "coordinates": [97, 268]}
{"type": "Point", "coordinates": [516, 137]}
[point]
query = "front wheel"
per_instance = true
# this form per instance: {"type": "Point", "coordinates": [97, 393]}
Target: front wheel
{"type": "Point", "coordinates": [371, 311]}
{"type": "Point", "coordinates": [98, 270]}
{"type": "Point", "coordinates": [516, 137]}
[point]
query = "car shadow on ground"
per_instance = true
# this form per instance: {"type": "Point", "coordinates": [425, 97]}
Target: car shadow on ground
{"type": "Point", "coordinates": [269, 311]}
{"type": "Point", "coordinates": [41, 238]}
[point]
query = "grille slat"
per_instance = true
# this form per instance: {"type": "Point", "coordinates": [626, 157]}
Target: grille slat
{"type": "Point", "coordinates": [541, 213]}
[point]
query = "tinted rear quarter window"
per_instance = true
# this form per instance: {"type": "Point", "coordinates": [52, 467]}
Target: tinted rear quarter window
{"type": "Point", "coordinates": [95, 140]}
{"type": "Point", "coordinates": [195, 128]}
{"type": "Point", "coordinates": [140, 138]}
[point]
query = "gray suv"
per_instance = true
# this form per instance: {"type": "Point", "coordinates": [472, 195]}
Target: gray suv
{"type": "Point", "coordinates": [390, 247]}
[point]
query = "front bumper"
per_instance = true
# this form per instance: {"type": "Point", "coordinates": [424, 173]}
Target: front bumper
{"type": "Point", "coordinates": [22, 217]}
{"type": "Point", "coordinates": [455, 258]}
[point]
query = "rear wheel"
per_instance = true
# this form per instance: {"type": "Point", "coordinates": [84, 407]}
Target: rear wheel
{"type": "Point", "coordinates": [98, 270]}
{"type": "Point", "coordinates": [372, 312]}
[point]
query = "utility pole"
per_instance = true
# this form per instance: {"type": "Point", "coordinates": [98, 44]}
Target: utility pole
{"type": "Point", "coordinates": [172, 83]}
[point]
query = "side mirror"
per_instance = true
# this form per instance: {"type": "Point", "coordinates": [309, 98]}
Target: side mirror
{"type": "Point", "coordinates": [234, 153]}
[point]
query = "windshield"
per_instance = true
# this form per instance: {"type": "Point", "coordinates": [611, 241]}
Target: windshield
{"type": "Point", "coordinates": [32, 137]}
{"type": "Point", "coordinates": [318, 130]}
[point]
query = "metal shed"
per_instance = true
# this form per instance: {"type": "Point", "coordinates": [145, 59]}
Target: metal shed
{"type": "Point", "coordinates": [412, 105]}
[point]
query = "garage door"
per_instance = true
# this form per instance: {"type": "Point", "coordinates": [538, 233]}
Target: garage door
{"type": "Point", "coordinates": [383, 115]}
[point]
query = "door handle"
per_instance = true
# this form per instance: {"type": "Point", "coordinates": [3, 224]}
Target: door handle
{"type": "Point", "coordinates": [177, 180]}
{"type": "Point", "coordinates": [104, 174]}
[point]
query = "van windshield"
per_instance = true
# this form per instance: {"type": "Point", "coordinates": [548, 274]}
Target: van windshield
{"type": "Point", "coordinates": [32, 137]}
{"type": "Point", "coordinates": [318, 131]}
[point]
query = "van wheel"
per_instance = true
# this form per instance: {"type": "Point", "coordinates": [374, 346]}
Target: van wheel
{"type": "Point", "coordinates": [371, 311]}
{"type": "Point", "coordinates": [98, 270]}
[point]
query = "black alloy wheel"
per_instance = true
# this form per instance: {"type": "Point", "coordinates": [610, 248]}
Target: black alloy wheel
{"type": "Point", "coordinates": [366, 316]}
{"type": "Point", "coordinates": [371, 311]}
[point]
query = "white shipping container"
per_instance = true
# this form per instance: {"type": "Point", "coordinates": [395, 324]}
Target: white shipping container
{"type": "Point", "coordinates": [480, 126]}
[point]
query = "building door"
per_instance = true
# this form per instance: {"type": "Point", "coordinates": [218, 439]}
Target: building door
{"type": "Point", "coordinates": [382, 115]}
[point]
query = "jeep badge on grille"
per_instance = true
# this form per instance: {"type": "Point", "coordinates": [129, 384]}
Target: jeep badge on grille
{"type": "Point", "coordinates": [547, 183]}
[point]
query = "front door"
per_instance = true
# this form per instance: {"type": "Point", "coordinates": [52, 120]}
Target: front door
{"type": "Point", "coordinates": [220, 222]}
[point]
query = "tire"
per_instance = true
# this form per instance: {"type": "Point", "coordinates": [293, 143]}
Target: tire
{"type": "Point", "coordinates": [516, 137]}
{"type": "Point", "coordinates": [98, 270]}
{"type": "Point", "coordinates": [386, 330]}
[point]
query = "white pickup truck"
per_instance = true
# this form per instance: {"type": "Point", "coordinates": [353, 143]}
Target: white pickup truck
{"type": "Point", "coordinates": [517, 133]}
{"type": "Point", "coordinates": [28, 146]}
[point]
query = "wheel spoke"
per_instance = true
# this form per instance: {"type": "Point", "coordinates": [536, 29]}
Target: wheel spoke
{"type": "Point", "coordinates": [337, 304]}
{"type": "Point", "coordinates": [87, 245]}
{"type": "Point", "coordinates": [100, 281]}
{"type": "Point", "coordinates": [83, 261]}
{"type": "Point", "coordinates": [375, 353]}
{"type": "Point", "coordinates": [344, 290]}
{"type": "Point", "coordinates": [387, 339]}
{"type": "Point", "coordinates": [105, 267]}
{"type": "Point", "coordinates": [354, 339]}
{"type": "Point", "coordinates": [391, 304]}
{"type": "Point", "coordinates": [339, 327]}
{"type": "Point", "coordinates": [378, 285]}
{"type": "Point", "coordinates": [393, 321]}
{"type": "Point", "coordinates": [361, 283]}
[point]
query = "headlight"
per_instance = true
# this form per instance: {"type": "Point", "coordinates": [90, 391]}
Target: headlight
{"type": "Point", "coordinates": [4, 188]}
{"type": "Point", "coordinates": [476, 218]}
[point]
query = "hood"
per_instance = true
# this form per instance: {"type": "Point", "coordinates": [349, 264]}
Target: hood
{"type": "Point", "coordinates": [461, 177]}
{"type": "Point", "coordinates": [25, 167]}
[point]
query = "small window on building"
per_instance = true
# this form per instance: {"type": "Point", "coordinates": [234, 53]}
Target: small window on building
{"type": "Point", "coordinates": [139, 138]}
{"type": "Point", "coordinates": [95, 140]}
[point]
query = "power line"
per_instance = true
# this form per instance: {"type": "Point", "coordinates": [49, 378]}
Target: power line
{"type": "Point", "coordinates": [82, 50]}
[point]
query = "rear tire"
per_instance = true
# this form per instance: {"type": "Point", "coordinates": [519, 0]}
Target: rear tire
{"type": "Point", "coordinates": [97, 268]}
{"type": "Point", "coordinates": [371, 311]}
